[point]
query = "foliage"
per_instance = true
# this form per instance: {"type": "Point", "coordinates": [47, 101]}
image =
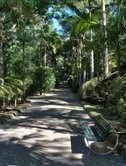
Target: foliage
{"type": "Point", "coordinates": [87, 89]}
{"type": "Point", "coordinates": [114, 97]}
{"type": "Point", "coordinates": [28, 46]}
{"type": "Point", "coordinates": [45, 79]}
{"type": "Point", "coordinates": [15, 84]}
{"type": "Point", "coordinates": [11, 89]}
{"type": "Point", "coordinates": [117, 96]}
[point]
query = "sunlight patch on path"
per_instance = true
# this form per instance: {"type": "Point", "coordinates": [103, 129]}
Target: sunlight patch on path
{"type": "Point", "coordinates": [61, 107]}
{"type": "Point", "coordinates": [46, 134]}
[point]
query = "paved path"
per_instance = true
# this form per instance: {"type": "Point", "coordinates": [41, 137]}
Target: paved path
{"type": "Point", "coordinates": [47, 135]}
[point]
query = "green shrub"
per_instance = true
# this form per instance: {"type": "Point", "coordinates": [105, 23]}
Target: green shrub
{"type": "Point", "coordinates": [88, 88]}
{"type": "Point", "coordinates": [10, 90]}
{"type": "Point", "coordinates": [15, 85]}
{"type": "Point", "coordinates": [116, 90]}
{"type": "Point", "coordinates": [117, 96]}
{"type": "Point", "coordinates": [112, 89]}
{"type": "Point", "coordinates": [45, 79]}
{"type": "Point", "coordinates": [122, 110]}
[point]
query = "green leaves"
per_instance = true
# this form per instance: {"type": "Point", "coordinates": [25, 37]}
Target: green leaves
{"type": "Point", "coordinates": [79, 24]}
{"type": "Point", "coordinates": [17, 9]}
{"type": "Point", "coordinates": [10, 89]}
{"type": "Point", "coordinates": [45, 79]}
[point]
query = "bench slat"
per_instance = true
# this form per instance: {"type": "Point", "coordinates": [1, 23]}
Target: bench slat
{"type": "Point", "coordinates": [103, 126]}
{"type": "Point", "coordinates": [88, 133]}
{"type": "Point", "coordinates": [98, 132]}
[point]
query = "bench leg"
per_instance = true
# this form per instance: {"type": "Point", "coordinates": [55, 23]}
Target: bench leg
{"type": "Point", "coordinates": [88, 143]}
{"type": "Point", "coordinates": [89, 152]}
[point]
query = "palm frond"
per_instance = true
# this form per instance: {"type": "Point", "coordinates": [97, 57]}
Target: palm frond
{"type": "Point", "coordinates": [80, 24]}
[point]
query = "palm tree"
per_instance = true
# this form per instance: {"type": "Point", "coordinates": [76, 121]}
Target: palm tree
{"type": "Point", "coordinates": [105, 44]}
{"type": "Point", "coordinates": [1, 45]}
{"type": "Point", "coordinates": [91, 51]}
{"type": "Point", "coordinates": [50, 42]}
{"type": "Point", "coordinates": [120, 24]}
{"type": "Point", "coordinates": [14, 10]}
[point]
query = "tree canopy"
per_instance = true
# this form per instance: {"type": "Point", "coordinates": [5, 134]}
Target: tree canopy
{"type": "Point", "coordinates": [91, 43]}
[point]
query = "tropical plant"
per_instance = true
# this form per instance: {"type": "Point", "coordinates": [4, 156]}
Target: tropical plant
{"type": "Point", "coordinates": [12, 11]}
{"type": "Point", "coordinates": [45, 79]}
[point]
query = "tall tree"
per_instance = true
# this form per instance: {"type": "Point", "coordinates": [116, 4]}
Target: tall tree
{"type": "Point", "coordinates": [14, 10]}
{"type": "Point", "coordinates": [105, 44]}
{"type": "Point", "coordinates": [91, 38]}
{"type": "Point", "coordinates": [1, 46]}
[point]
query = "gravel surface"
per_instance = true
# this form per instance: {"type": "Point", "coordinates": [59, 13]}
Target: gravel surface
{"type": "Point", "coordinates": [47, 134]}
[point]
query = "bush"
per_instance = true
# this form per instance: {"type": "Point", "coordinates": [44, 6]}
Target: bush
{"type": "Point", "coordinates": [112, 90]}
{"type": "Point", "coordinates": [10, 90]}
{"type": "Point", "coordinates": [88, 88]}
{"type": "Point", "coordinates": [45, 79]}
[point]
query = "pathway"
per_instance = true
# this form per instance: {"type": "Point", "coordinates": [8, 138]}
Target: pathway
{"type": "Point", "coordinates": [46, 134]}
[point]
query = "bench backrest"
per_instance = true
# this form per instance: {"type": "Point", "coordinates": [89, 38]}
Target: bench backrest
{"type": "Point", "coordinates": [103, 126]}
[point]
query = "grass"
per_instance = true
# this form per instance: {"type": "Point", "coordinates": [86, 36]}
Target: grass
{"type": "Point", "coordinates": [93, 110]}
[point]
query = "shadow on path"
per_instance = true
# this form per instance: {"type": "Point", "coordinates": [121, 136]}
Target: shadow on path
{"type": "Point", "coordinates": [47, 134]}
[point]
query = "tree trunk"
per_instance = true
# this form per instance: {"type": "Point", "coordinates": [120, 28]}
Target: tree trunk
{"type": "Point", "coordinates": [97, 64]}
{"type": "Point", "coordinates": [24, 88]}
{"type": "Point", "coordinates": [118, 56]}
{"type": "Point", "coordinates": [117, 45]}
{"type": "Point", "coordinates": [1, 48]}
{"type": "Point", "coordinates": [91, 51]}
{"type": "Point", "coordinates": [80, 61]}
{"type": "Point", "coordinates": [84, 76]}
{"type": "Point", "coordinates": [45, 57]}
{"type": "Point", "coordinates": [92, 64]}
{"type": "Point", "coordinates": [105, 44]}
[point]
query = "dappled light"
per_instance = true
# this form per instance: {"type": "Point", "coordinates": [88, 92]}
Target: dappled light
{"type": "Point", "coordinates": [44, 131]}
{"type": "Point", "coordinates": [47, 133]}
{"type": "Point", "coordinates": [62, 82]}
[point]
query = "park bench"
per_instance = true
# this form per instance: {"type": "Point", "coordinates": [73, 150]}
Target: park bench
{"type": "Point", "coordinates": [98, 133]}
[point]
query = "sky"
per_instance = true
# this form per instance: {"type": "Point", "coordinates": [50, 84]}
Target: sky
{"type": "Point", "coordinates": [55, 22]}
{"type": "Point", "coordinates": [56, 25]}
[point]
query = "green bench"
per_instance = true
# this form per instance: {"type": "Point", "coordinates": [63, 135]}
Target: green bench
{"type": "Point", "coordinates": [98, 132]}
